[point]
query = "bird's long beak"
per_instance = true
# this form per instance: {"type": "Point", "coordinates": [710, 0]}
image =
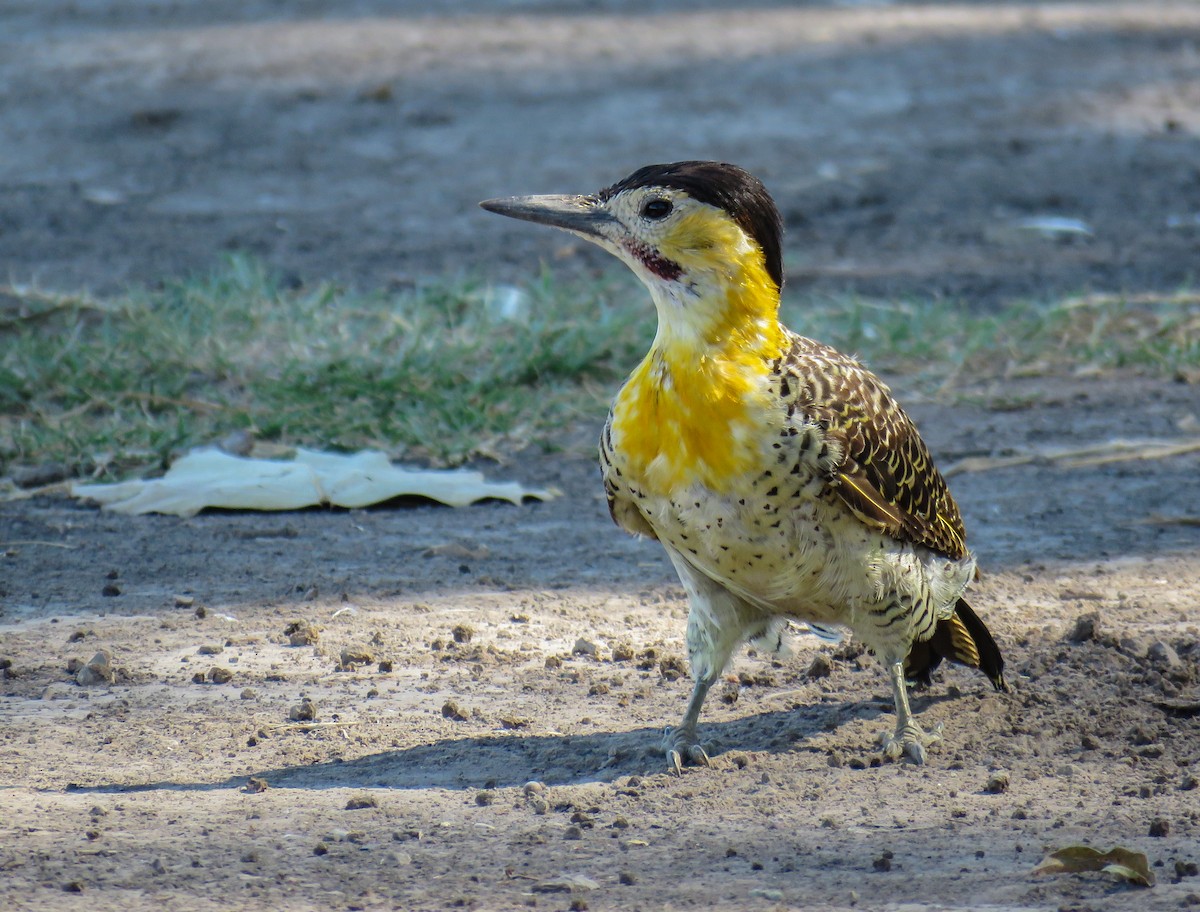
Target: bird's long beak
{"type": "Point", "coordinates": [581, 214]}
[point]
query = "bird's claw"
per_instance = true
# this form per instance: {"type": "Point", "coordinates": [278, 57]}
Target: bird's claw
{"type": "Point", "coordinates": [684, 749]}
{"type": "Point", "coordinates": [910, 739]}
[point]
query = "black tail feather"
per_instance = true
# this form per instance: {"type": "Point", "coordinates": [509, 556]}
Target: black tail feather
{"type": "Point", "coordinates": [961, 638]}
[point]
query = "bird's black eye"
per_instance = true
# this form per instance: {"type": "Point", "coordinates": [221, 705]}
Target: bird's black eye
{"type": "Point", "coordinates": [656, 208]}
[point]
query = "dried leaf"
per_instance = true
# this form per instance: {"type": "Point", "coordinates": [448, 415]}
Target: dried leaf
{"type": "Point", "coordinates": [1123, 863]}
{"type": "Point", "coordinates": [212, 478]}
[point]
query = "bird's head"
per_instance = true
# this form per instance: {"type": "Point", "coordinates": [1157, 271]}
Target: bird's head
{"type": "Point", "coordinates": [704, 237]}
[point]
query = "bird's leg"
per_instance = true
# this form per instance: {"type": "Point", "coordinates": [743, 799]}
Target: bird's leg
{"type": "Point", "coordinates": [908, 738]}
{"type": "Point", "coordinates": [683, 743]}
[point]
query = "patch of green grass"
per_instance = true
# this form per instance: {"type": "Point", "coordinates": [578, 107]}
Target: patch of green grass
{"type": "Point", "coordinates": [451, 370]}
{"type": "Point", "coordinates": [437, 373]}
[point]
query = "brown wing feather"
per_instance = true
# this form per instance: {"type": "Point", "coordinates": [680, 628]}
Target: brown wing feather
{"type": "Point", "coordinates": [886, 475]}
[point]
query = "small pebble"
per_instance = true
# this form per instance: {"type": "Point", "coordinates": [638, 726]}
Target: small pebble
{"type": "Point", "coordinates": [361, 801]}
{"type": "Point", "coordinates": [305, 711]}
{"type": "Point", "coordinates": [452, 710]}
{"type": "Point", "coordinates": [98, 670]}
{"type": "Point", "coordinates": [1160, 827]}
{"type": "Point", "coordinates": [997, 783]}
{"type": "Point", "coordinates": [820, 667]}
{"type": "Point", "coordinates": [301, 633]}
{"type": "Point", "coordinates": [353, 658]}
{"type": "Point", "coordinates": [219, 675]}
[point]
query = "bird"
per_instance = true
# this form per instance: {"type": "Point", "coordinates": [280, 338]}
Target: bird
{"type": "Point", "coordinates": [782, 478]}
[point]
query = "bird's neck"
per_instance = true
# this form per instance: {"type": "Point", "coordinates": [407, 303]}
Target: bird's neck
{"type": "Point", "coordinates": [693, 410]}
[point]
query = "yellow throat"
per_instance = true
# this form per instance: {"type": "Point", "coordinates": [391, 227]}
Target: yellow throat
{"type": "Point", "coordinates": [689, 412]}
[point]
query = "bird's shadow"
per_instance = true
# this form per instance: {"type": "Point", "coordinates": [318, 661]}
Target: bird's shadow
{"type": "Point", "coordinates": [508, 759]}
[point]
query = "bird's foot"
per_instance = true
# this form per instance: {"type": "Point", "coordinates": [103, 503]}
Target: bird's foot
{"type": "Point", "coordinates": [684, 749]}
{"type": "Point", "coordinates": [910, 739]}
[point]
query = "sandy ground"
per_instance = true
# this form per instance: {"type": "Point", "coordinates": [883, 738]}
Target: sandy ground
{"type": "Point", "coordinates": [500, 748]}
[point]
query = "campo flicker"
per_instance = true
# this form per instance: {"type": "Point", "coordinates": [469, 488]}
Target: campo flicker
{"type": "Point", "coordinates": [783, 479]}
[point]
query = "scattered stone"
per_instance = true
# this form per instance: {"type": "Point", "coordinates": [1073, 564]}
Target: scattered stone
{"type": "Point", "coordinates": [184, 601]}
{"type": "Point", "coordinates": [821, 666]}
{"type": "Point", "coordinates": [599, 689]}
{"type": "Point", "coordinates": [1186, 869]}
{"type": "Point", "coordinates": [578, 904]}
{"type": "Point", "coordinates": [463, 633]}
{"type": "Point", "coordinates": [352, 658]}
{"type": "Point", "coordinates": [255, 785]}
{"type": "Point", "coordinates": [219, 675]}
{"type": "Point", "coordinates": [627, 878]}
{"type": "Point", "coordinates": [110, 590]}
{"type": "Point", "coordinates": [997, 783]}
{"type": "Point", "coordinates": [573, 832]}
{"type": "Point", "coordinates": [731, 692]}
{"type": "Point", "coordinates": [210, 650]}
{"type": "Point", "coordinates": [1087, 628]}
{"type": "Point", "coordinates": [672, 668]}
{"type": "Point", "coordinates": [385, 666]}
{"type": "Point", "coordinates": [198, 678]}
{"type": "Point", "coordinates": [249, 693]}
{"type": "Point", "coordinates": [78, 635]}
{"type": "Point", "coordinates": [1189, 783]}
{"type": "Point", "coordinates": [512, 723]}
{"type": "Point", "coordinates": [884, 862]}
{"type": "Point", "coordinates": [301, 633]}
{"type": "Point", "coordinates": [73, 886]}
{"type": "Point", "coordinates": [304, 711]}
{"type": "Point", "coordinates": [1160, 827]}
{"type": "Point", "coordinates": [451, 709]}
{"type": "Point", "coordinates": [201, 612]}
{"type": "Point", "coordinates": [533, 787]}
{"type": "Point", "coordinates": [320, 849]}
{"type": "Point", "coordinates": [1164, 655]}
{"type": "Point", "coordinates": [584, 647]}
{"type": "Point", "coordinates": [622, 652]}
{"type": "Point", "coordinates": [98, 670]}
{"type": "Point", "coordinates": [553, 662]}
{"type": "Point", "coordinates": [360, 802]}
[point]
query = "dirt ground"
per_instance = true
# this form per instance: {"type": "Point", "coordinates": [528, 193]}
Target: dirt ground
{"type": "Point", "coordinates": [500, 749]}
